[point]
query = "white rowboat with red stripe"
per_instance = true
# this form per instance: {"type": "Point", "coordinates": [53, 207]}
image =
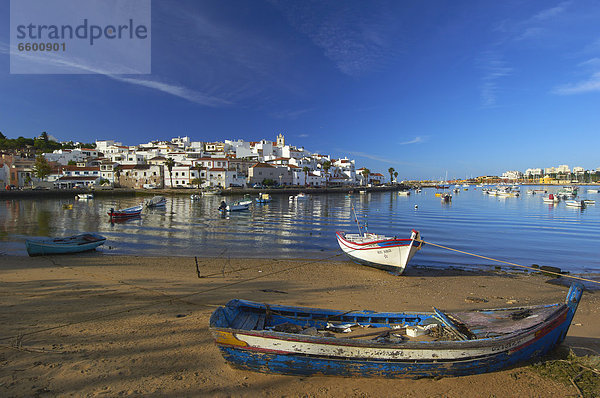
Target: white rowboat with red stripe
{"type": "Point", "coordinates": [379, 251]}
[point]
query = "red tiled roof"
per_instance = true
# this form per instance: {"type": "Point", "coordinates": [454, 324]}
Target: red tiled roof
{"type": "Point", "coordinates": [265, 165]}
{"type": "Point", "coordinates": [75, 168]}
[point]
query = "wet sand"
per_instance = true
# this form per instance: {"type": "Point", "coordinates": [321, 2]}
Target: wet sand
{"type": "Point", "coordinates": [102, 325]}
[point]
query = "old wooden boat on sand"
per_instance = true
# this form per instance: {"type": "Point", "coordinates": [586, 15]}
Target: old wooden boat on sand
{"type": "Point", "coordinates": [307, 341]}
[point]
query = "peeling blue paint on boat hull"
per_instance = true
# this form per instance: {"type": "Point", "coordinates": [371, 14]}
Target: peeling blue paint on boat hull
{"type": "Point", "coordinates": [462, 357]}
{"type": "Point", "coordinates": [305, 365]}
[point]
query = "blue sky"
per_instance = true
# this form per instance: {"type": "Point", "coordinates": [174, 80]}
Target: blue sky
{"type": "Point", "coordinates": [465, 88]}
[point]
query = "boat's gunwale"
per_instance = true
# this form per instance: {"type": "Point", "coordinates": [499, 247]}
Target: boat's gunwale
{"type": "Point", "coordinates": [561, 311]}
{"type": "Point", "coordinates": [341, 236]}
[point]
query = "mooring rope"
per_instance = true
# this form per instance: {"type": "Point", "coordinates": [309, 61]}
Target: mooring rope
{"type": "Point", "coordinates": [507, 262]}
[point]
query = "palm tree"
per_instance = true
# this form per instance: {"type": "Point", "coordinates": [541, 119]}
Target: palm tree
{"type": "Point", "coordinates": [305, 169]}
{"type": "Point", "coordinates": [197, 181]}
{"type": "Point", "coordinates": [118, 175]}
{"type": "Point", "coordinates": [326, 167]}
{"type": "Point", "coordinates": [396, 176]}
{"type": "Point", "coordinates": [170, 163]}
{"type": "Point", "coordinates": [391, 171]}
{"type": "Point", "coordinates": [365, 174]}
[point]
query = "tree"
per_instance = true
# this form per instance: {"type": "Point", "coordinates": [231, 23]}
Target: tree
{"type": "Point", "coordinates": [396, 176]}
{"type": "Point", "coordinates": [2, 136]}
{"type": "Point", "coordinates": [44, 136]}
{"type": "Point", "coordinates": [196, 181]}
{"type": "Point", "coordinates": [118, 176]}
{"type": "Point", "coordinates": [41, 167]}
{"type": "Point", "coordinates": [326, 167]}
{"type": "Point", "coordinates": [305, 169]}
{"type": "Point", "coordinates": [391, 171]}
{"type": "Point", "coordinates": [170, 163]}
{"type": "Point", "coordinates": [365, 174]}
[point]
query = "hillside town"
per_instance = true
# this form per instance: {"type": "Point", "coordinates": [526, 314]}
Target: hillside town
{"type": "Point", "coordinates": [182, 163]}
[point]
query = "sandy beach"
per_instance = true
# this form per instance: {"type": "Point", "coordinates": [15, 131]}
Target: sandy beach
{"type": "Point", "coordinates": [102, 325]}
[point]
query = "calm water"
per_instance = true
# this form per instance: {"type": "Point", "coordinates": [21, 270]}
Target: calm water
{"type": "Point", "coordinates": [522, 230]}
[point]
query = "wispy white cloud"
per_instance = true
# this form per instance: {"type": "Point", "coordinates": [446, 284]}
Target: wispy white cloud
{"type": "Point", "coordinates": [357, 38]}
{"type": "Point", "coordinates": [494, 69]}
{"type": "Point", "coordinates": [592, 62]}
{"type": "Point", "coordinates": [551, 12]}
{"type": "Point", "coordinates": [175, 90]}
{"type": "Point", "coordinates": [535, 27]}
{"type": "Point", "coordinates": [416, 140]}
{"type": "Point", "coordinates": [303, 135]}
{"type": "Point", "coordinates": [591, 84]}
{"type": "Point", "coordinates": [155, 84]}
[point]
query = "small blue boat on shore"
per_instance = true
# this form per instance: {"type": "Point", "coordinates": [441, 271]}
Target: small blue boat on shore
{"type": "Point", "coordinates": [311, 341]}
{"type": "Point", "coordinates": [70, 244]}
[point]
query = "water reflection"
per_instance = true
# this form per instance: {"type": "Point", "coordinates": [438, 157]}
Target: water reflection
{"type": "Point", "coordinates": [519, 229]}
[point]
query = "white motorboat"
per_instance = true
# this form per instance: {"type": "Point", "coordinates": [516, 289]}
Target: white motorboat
{"type": "Point", "coordinates": [236, 206]}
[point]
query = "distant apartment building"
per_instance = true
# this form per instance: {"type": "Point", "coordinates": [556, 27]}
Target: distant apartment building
{"type": "Point", "coordinates": [534, 173]}
{"type": "Point", "coordinates": [137, 175]}
{"type": "Point", "coordinates": [513, 175]}
{"type": "Point", "coordinates": [4, 175]}
{"type": "Point", "coordinates": [260, 172]}
{"type": "Point", "coordinates": [107, 171]}
{"type": "Point", "coordinates": [64, 156]}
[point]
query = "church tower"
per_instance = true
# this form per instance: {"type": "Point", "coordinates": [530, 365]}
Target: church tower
{"type": "Point", "coordinates": [280, 141]}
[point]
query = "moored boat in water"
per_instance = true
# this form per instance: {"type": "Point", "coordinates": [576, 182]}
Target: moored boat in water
{"type": "Point", "coordinates": [575, 203]}
{"type": "Point", "coordinates": [307, 341]}
{"type": "Point", "coordinates": [263, 198]}
{"type": "Point", "coordinates": [70, 244]}
{"type": "Point", "coordinates": [156, 201]}
{"type": "Point", "coordinates": [236, 206]}
{"type": "Point", "coordinates": [551, 199]}
{"type": "Point", "coordinates": [129, 212]}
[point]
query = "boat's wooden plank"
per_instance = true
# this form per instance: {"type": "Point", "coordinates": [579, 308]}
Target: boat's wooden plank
{"type": "Point", "coordinates": [260, 325]}
{"type": "Point", "coordinates": [461, 331]}
{"type": "Point", "coordinates": [245, 321]}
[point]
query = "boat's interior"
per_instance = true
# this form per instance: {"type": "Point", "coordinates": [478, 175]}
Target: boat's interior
{"type": "Point", "coordinates": [383, 327]}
